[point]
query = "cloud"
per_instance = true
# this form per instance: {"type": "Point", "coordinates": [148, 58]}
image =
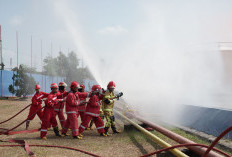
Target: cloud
{"type": "Point", "coordinates": [16, 20]}
{"type": "Point", "coordinates": [113, 30]}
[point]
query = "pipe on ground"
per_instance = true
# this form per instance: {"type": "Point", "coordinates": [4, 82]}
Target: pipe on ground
{"type": "Point", "coordinates": [199, 150]}
{"type": "Point", "coordinates": [164, 144]}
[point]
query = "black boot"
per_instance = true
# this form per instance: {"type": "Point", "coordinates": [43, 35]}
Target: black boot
{"type": "Point", "coordinates": [27, 124]}
{"type": "Point", "coordinates": [115, 131]}
{"type": "Point", "coordinates": [106, 131]}
{"type": "Point", "coordinates": [56, 131]}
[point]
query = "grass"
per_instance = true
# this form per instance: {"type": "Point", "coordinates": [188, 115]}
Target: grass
{"type": "Point", "coordinates": [196, 139]}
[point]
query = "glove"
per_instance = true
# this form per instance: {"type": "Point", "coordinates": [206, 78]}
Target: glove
{"type": "Point", "coordinates": [119, 95]}
{"type": "Point", "coordinates": [107, 101]}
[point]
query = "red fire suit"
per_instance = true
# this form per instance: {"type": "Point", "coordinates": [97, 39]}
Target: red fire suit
{"type": "Point", "coordinates": [48, 114]}
{"type": "Point", "coordinates": [93, 112]}
{"type": "Point", "coordinates": [81, 108]}
{"type": "Point", "coordinates": [59, 107]}
{"type": "Point", "coordinates": [72, 101]}
{"type": "Point", "coordinates": [36, 105]}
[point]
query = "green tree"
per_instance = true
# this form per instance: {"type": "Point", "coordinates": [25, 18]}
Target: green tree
{"type": "Point", "coordinates": [51, 66]}
{"type": "Point", "coordinates": [67, 66]}
{"type": "Point", "coordinates": [23, 84]}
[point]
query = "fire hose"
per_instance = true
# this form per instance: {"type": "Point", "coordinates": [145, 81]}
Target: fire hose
{"type": "Point", "coordinates": [169, 147]}
{"type": "Point", "coordinates": [31, 154]}
{"type": "Point", "coordinates": [178, 138]}
{"type": "Point", "coordinates": [15, 114]}
{"type": "Point", "coordinates": [24, 143]}
{"type": "Point", "coordinates": [7, 132]}
{"type": "Point", "coordinates": [216, 140]}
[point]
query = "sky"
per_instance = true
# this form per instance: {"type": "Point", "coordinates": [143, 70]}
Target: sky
{"type": "Point", "coordinates": [37, 19]}
{"type": "Point", "coordinates": [165, 47]}
{"type": "Point", "coordinates": [106, 24]}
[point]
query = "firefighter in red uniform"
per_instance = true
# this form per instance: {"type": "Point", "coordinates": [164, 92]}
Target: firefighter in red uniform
{"type": "Point", "coordinates": [72, 101]}
{"type": "Point", "coordinates": [82, 95]}
{"type": "Point", "coordinates": [48, 114]}
{"type": "Point", "coordinates": [93, 111]}
{"type": "Point", "coordinates": [59, 107]}
{"type": "Point", "coordinates": [36, 105]}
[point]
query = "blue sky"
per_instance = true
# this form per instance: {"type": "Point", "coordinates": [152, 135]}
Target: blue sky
{"type": "Point", "coordinates": [37, 18]}
{"type": "Point", "coordinates": [107, 26]}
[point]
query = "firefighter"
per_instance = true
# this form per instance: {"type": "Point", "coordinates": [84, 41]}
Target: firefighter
{"type": "Point", "coordinates": [93, 112]}
{"type": "Point", "coordinates": [36, 105]}
{"type": "Point", "coordinates": [58, 108]}
{"type": "Point", "coordinates": [108, 104]}
{"type": "Point", "coordinates": [72, 101]}
{"type": "Point", "coordinates": [82, 95]}
{"type": "Point", "coordinates": [48, 114]}
{"type": "Point", "coordinates": [101, 113]}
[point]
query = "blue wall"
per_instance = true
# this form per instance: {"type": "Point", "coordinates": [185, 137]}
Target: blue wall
{"type": "Point", "coordinates": [43, 80]}
{"type": "Point", "coordinates": [208, 120]}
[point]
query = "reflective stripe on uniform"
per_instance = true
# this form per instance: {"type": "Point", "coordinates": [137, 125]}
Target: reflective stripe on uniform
{"type": "Point", "coordinates": [109, 110]}
{"type": "Point", "coordinates": [44, 130]}
{"type": "Point", "coordinates": [100, 128]}
{"type": "Point", "coordinates": [75, 130]}
{"type": "Point", "coordinates": [40, 96]}
{"type": "Point", "coordinates": [58, 109]}
{"type": "Point", "coordinates": [82, 126]}
{"type": "Point", "coordinates": [92, 114]}
{"type": "Point", "coordinates": [71, 112]}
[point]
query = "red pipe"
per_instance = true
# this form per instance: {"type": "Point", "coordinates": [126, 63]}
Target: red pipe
{"type": "Point", "coordinates": [175, 137]}
{"type": "Point", "coordinates": [184, 145]}
{"type": "Point", "coordinates": [216, 140]}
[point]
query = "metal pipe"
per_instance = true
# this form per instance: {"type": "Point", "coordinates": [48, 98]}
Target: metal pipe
{"type": "Point", "coordinates": [175, 137]}
{"type": "Point", "coordinates": [164, 144]}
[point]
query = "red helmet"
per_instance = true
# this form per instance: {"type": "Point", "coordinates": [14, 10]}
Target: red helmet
{"type": "Point", "coordinates": [74, 85]}
{"type": "Point", "coordinates": [37, 86]}
{"type": "Point", "coordinates": [111, 84]}
{"type": "Point", "coordinates": [63, 84]}
{"type": "Point", "coordinates": [96, 88]}
{"type": "Point", "coordinates": [53, 86]}
{"type": "Point", "coordinates": [82, 86]}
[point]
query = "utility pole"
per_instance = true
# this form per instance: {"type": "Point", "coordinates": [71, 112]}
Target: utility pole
{"type": "Point", "coordinates": [52, 59]}
{"type": "Point", "coordinates": [31, 54]}
{"type": "Point", "coordinates": [41, 46]}
{"type": "Point", "coordinates": [17, 49]}
{"type": "Point", "coordinates": [1, 55]}
{"type": "Point", "coordinates": [17, 46]}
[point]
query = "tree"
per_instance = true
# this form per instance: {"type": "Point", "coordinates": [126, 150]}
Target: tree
{"type": "Point", "coordinates": [23, 84]}
{"type": "Point", "coordinates": [51, 66]}
{"type": "Point", "coordinates": [66, 66]}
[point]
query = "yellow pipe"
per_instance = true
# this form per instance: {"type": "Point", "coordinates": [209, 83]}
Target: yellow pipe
{"type": "Point", "coordinates": [161, 142]}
